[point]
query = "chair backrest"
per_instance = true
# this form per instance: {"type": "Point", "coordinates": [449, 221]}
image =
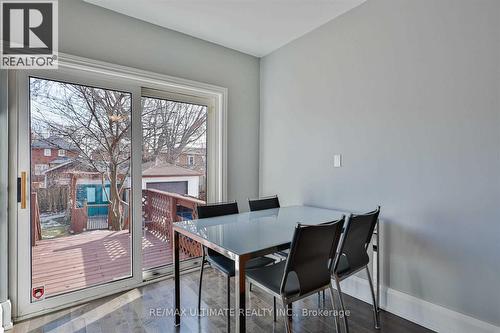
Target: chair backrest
{"type": "Point", "coordinates": [263, 203]}
{"type": "Point", "coordinates": [311, 251]}
{"type": "Point", "coordinates": [217, 209]}
{"type": "Point", "coordinates": [214, 210]}
{"type": "Point", "coordinates": [357, 237]}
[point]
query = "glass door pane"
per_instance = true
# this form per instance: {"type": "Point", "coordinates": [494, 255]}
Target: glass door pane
{"type": "Point", "coordinates": [80, 186]}
{"type": "Point", "coordinates": [174, 174]}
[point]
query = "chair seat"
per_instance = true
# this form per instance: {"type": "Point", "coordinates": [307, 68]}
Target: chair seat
{"type": "Point", "coordinates": [283, 253]}
{"type": "Point", "coordinates": [271, 276]}
{"type": "Point", "coordinates": [226, 265]}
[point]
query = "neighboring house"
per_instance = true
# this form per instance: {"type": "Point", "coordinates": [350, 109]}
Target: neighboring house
{"type": "Point", "coordinates": [195, 159]}
{"type": "Point", "coordinates": [171, 178]}
{"type": "Point", "coordinates": [89, 185]}
{"type": "Point", "coordinates": [61, 174]}
{"type": "Point", "coordinates": [47, 153]}
{"type": "Point", "coordinates": [90, 188]}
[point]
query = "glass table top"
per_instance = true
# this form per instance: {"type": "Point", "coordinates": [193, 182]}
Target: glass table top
{"type": "Point", "coordinates": [254, 231]}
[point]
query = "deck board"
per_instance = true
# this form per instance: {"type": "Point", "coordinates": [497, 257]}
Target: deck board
{"type": "Point", "coordinates": [91, 258]}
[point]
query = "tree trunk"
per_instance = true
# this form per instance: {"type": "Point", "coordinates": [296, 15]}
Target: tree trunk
{"type": "Point", "coordinates": [115, 211]}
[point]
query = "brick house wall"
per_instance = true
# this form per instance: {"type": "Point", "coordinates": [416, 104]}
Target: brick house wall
{"type": "Point", "coordinates": [38, 158]}
{"type": "Point", "coordinates": [199, 164]}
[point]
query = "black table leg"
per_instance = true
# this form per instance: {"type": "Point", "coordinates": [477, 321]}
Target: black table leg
{"type": "Point", "coordinates": [240, 306]}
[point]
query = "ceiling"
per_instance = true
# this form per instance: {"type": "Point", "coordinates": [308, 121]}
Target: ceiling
{"type": "Point", "coordinates": [256, 27]}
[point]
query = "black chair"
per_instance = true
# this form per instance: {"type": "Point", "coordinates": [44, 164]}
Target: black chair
{"type": "Point", "coordinates": [217, 260]}
{"type": "Point", "coordinates": [352, 255]}
{"type": "Point", "coordinates": [263, 203]}
{"type": "Point", "coordinates": [307, 269]}
{"type": "Point", "coordinates": [266, 203]}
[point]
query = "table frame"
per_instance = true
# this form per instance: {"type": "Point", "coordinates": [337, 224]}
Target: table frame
{"type": "Point", "coordinates": [240, 263]}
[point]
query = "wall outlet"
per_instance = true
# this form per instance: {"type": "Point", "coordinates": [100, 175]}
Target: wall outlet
{"type": "Point", "coordinates": [337, 161]}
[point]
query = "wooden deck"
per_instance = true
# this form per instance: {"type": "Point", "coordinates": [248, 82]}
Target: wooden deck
{"type": "Point", "coordinates": [90, 258]}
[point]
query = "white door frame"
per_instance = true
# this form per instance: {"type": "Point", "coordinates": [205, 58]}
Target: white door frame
{"type": "Point", "coordinates": [100, 74]}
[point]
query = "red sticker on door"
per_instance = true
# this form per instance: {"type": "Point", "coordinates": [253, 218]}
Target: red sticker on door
{"type": "Point", "coordinates": [38, 293]}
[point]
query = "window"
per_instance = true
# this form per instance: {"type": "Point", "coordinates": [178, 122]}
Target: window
{"type": "Point", "coordinates": [61, 152]}
{"type": "Point", "coordinates": [47, 152]}
{"type": "Point", "coordinates": [40, 168]}
{"type": "Point", "coordinates": [90, 194]}
{"type": "Point", "coordinates": [174, 131]}
{"type": "Point", "coordinates": [174, 135]}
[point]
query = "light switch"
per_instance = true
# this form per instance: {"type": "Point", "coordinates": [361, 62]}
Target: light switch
{"type": "Point", "coordinates": [337, 161]}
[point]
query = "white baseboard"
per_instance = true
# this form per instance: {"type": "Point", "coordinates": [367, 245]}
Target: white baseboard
{"type": "Point", "coordinates": [429, 315]}
{"type": "Point", "coordinates": [5, 316]}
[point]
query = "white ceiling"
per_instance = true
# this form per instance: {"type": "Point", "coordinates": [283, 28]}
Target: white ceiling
{"type": "Point", "coordinates": [256, 27]}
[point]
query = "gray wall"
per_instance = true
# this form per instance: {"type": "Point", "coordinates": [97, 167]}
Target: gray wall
{"type": "Point", "coordinates": [409, 93]}
{"type": "Point", "coordinates": [93, 32]}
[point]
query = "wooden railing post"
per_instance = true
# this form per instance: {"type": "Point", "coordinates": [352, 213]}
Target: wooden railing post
{"type": "Point", "coordinates": [36, 228]}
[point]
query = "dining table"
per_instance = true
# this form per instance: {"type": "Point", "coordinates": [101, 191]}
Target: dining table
{"type": "Point", "coordinates": [248, 235]}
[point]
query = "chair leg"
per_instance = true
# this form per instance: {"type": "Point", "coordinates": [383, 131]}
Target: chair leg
{"type": "Point", "coordinates": [337, 324]}
{"type": "Point", "coordinates": [201, 279]}
{"type": "Point", "coordinates": [288, 316]}
{"type": "Point", "coordinates": [250, 286]}
{"type": "Point", "coordinates": [228, 304]}
{"type": "Point", "coordinates": [375, 308]}
{"type": "Point", "coordinates": [342, 307]}
{"type": "Point", "coordinates": [274, 308]}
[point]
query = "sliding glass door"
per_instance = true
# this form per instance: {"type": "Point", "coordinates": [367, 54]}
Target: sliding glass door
{"type": "Point", "coordinates": [174, 172]}
{"type": "Point", "coordinates": [80, 186]}
{"type": "Point", "coordinates": [104, 165]}
{"type": "Point", "coordinates": [76, 233]}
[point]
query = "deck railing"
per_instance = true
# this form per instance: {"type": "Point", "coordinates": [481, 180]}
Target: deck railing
{"type": "Point", "coordinates": [160, 211]}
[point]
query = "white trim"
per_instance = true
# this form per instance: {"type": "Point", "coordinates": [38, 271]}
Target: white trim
{"type": "Point", "coordinates": [429, 315]}
{"type": "Point", "coordinates": [5, 316]}
{"type": "Point", "coordinates": [58, 166]}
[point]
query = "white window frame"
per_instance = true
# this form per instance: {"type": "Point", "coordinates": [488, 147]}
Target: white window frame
{"type": "Point", "coordinates": [191, 158]}
{"type": "Point", "coordinates": [216, 133]}
{"type": "Point", "coordinates": [84, 71]}
{"type": "Point", "coordinates": [47, 152]}
{"type": "Point", "coordinates": [61, 152]}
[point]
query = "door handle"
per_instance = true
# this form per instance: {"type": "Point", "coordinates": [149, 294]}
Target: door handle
{"type": "Point", "coordinates": [22, 190]}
